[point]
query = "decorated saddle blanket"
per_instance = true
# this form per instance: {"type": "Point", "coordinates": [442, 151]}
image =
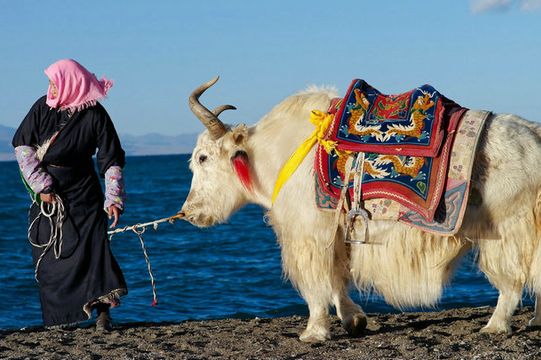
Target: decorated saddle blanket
{"type": "Point", "coordinates": [419, 190]}
{"type": "Point", "coordinates": [414, 123]}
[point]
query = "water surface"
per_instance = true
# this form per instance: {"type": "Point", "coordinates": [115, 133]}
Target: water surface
{"type": "Point", "coordinates": [232, 270]}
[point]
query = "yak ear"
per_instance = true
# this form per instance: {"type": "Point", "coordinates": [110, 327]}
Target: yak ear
{"type": "Point", "coordinates": [240, 134]}
{"type": "Point", "coordinates": [241, 164]}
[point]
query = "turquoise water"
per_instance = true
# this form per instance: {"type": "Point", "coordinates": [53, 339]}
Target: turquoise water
{"type": "Point", "coordinates": [232, 270]}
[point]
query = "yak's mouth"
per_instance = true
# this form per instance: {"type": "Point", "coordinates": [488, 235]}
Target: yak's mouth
{"type": "Point", "coordinates": [200, 220]}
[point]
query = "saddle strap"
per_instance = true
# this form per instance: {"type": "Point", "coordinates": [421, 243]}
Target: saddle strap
{"type": "Point", "coordinates": [357, 219]}
{"type": "Point", "coordinates": [340, 205]}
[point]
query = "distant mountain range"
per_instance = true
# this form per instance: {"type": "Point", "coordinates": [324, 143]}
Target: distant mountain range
{"type": "Point", "coordinates": [158, 144]}
{"type": "Point", "coordinates": [149, 144]}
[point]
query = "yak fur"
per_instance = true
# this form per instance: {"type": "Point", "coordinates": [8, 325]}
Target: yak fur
{"type": "Point", "coordinates": [406, 266]}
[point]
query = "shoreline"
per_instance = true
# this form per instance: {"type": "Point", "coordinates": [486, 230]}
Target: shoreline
{"type": "Point", "coordinates": [449, 334]}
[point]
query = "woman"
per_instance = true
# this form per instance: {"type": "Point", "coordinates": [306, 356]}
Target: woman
{"type": "Point", "coordinates": [54, 146]}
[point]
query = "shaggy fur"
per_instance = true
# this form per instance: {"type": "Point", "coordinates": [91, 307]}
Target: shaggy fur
{"type": "Point", "coordinates": [408, 267]}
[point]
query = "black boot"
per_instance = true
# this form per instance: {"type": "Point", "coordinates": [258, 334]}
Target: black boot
{"type": "Point", "coordinates": [103, 320]}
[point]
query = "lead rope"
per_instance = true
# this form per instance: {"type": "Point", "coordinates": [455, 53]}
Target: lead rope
{"type": "Point", "coordinates": [56, 239]}
{"type": "Point", "coordinates": [139, 230]}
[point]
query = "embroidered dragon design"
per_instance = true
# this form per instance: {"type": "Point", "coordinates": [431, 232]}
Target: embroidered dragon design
{"type": "Point", "coordinates": [358, 111]}
{"type": "Point", "coordinates": [390, 107]}
{"type": "Point", "coordinates": [417, 118]}
{"type": "Point", "coordinates": [403, 165]}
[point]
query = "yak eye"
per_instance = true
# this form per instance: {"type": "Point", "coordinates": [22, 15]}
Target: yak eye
{"type": "Point", "coordinates": [202, 158]}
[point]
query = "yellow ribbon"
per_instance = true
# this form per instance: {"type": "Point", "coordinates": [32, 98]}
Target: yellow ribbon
{"type": "Point", "coordinates": [322, 121]}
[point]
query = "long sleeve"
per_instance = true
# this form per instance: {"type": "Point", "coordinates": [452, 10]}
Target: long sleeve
{"type": "Point", "coordinates": [114, 188]}
{"type": "Point", "coordinates": [25, 140]}
{"type": "Point", "coordinates": [36, 177]}
{"type": "Point", "coordinates": [28, 132]}
{"type": "Point", "coordinates": [111, 159]}
{"type": "Point", "coordinates": [110, 152]}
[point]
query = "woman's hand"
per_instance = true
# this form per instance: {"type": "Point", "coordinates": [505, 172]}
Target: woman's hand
{"type": "Point", "coordinates": [115, 212]}
{"type": "Point", "coordinates": [48, 198]}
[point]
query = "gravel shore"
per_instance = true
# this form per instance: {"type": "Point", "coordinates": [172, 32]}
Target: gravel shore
{"type": "Point", "coordinates": [450, 334]}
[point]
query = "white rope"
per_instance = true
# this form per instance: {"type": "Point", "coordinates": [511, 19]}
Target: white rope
{"type": "Point", "coordinates": [139, 232]}
{"type": "Point", "coordinates": [139, 229]}
{"type": "Point", "coordinates": [55, 212]}
{"type": "Point", "coordinates": [155, 223]}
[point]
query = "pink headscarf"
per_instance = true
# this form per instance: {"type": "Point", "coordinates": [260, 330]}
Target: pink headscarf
{"type": "Point", "coordinates": [77, 87]}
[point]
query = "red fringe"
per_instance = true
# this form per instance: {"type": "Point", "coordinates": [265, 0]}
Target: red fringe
{"type": "Point", "coordinates": [242, 168]}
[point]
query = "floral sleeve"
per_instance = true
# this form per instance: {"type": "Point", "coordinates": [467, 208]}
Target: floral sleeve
{"type": "Point", "coordinates": [114, 187]}
{"type": "Point", "coordinates": [36, 177]}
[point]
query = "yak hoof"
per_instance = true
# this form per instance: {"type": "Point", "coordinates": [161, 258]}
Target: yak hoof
{"type": "Point", "coordinates": [315, 336]}
{"type": "Point", "coordinates": [491, 329]}
{"type": "Point", "coordinates": [355, 324]}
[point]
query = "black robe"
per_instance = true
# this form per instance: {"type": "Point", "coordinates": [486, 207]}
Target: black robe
{"type": "Point", "coordinates": [86, 271]}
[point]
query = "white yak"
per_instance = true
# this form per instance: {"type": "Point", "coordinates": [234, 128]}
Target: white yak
{"type": "Point", "coordinates": [407, 266]}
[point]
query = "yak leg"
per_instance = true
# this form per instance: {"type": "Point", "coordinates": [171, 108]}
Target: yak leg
{"type": "Point", "coordinates": [318, 323]}
{"type": "Point", "coordinates": [308, 266]}
{"type": "Point", "coordinates": [317, 296]}
{"type": "Point", "coordinates": [501, 318]}
{"type": "Point", "coordinates": [536, 321]}
{"type": "Point", "coordinates": [316, 265]}
{"type": "Point", "coordinates": [353, 318]}
{"type": "Point", "coordinates": [507, 279]}
{"type": "Point", "coordinates": [504, 260]}
{"type": "Point", "coordinates": [352, 315]}
{"type": "Point", "coordinates": [319, 272]}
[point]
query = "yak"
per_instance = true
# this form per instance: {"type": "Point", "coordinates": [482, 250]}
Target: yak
{"type": "Point", "coordinates": [236, 165]}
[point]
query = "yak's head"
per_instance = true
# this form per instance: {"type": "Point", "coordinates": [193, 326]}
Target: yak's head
{"type": "Point", "coordinates": [221, 178]}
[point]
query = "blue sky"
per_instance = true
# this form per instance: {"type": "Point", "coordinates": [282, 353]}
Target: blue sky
{"type": "Point", "coordinates": [483, 54]}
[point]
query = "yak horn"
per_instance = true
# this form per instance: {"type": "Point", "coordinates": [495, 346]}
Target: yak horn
{"type": "Point", "coordinates": [216, 128]}
{"type": "Point", "coordinates": [219, 109]}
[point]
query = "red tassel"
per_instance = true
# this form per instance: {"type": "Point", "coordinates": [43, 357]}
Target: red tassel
{"type": "Point", "coordinates": [242, 168]}
{"type": "Point", "coordinates": [154, 302]}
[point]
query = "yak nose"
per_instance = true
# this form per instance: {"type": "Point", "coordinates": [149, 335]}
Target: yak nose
{"type": "Point", "coordinates": [184, 211]}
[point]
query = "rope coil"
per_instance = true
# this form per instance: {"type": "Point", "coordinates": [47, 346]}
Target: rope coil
{"type": "Point", "coordinates": [56, 237]}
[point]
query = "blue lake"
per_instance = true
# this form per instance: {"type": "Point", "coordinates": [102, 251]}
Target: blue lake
{"type": "Point", "coordinates": [232, 270]}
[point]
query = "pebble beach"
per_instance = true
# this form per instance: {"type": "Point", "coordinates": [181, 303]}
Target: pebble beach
{"type": "Point", "coordinates": [450, 334]}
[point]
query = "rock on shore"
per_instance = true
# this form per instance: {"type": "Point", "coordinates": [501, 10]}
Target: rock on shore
{"type": "Point", "coordinates": [451, 334]}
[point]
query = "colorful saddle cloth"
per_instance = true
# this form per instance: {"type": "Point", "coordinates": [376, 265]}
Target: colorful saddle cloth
{"type": "Point", "coordinates": [408, 187]}
{"type": "Point", "coordinates": [413, 123]}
